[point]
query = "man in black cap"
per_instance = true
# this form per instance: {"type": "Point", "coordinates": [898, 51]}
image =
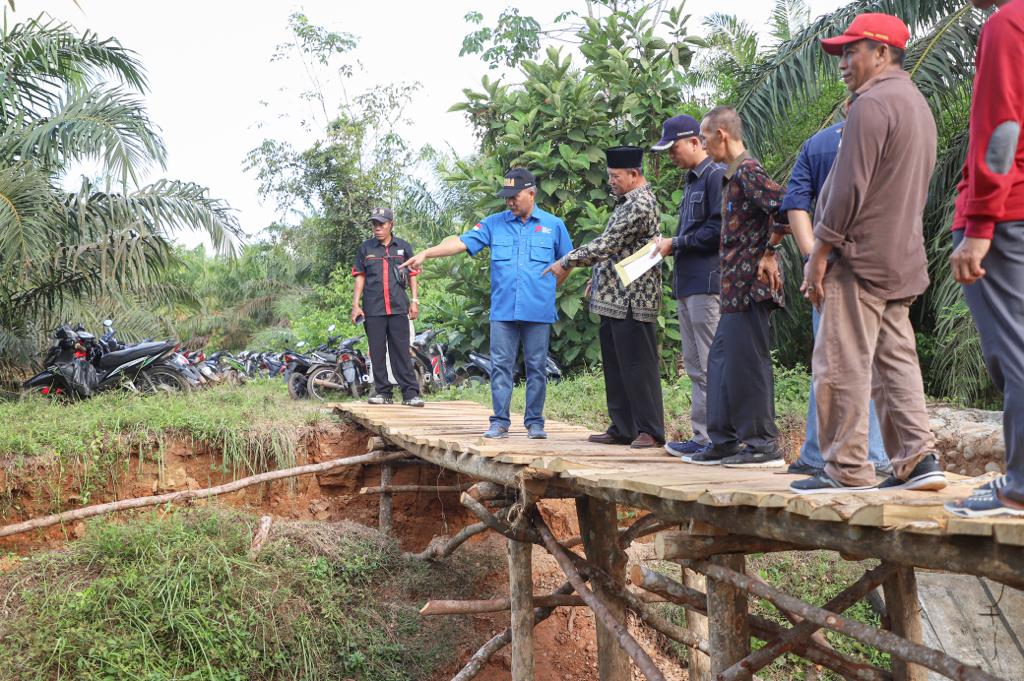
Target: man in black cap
{"type": "Point", "coordinates": [523, 240]}
{"type": "Point", "coordinates": [388, 308]}
{"type": "Point", "coordinates": [629, 314]}
{"type": "Point", "coordinates": [695, 276]}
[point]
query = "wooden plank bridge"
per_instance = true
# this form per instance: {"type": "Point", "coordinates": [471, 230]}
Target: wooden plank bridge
{"type": "Point", "coordinates": [709, 517]}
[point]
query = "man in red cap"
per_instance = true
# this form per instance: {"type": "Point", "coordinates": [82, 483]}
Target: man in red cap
{"type": "Point", "coordinates": [867, 266]}
{"type": "Point", "coordinates": [989, 238]}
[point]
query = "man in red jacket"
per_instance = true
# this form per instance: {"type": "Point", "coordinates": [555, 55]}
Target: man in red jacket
{"type": "Point", "coordinates": [988, 234]}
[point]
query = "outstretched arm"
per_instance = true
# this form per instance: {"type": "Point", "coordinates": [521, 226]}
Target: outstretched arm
{"type": "Point", "coordinates": [450, 246]}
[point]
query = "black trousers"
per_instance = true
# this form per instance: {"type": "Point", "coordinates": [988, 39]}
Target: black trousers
{"type": "Point", "coordinates": [741, 385]}
{"type": "Point", "coordinates": [388, 335]}
{"type": "Point", "coordinates": [632, 382]}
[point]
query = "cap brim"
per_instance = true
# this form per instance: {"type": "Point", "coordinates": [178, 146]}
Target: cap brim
{"type": "Point", "coordinates": [663, 144]}
{"type": "Point", "coordinates": [508, 192]}
{"type": "Point", "coordinates": [834, 46]}
{"type": "Point", "coordinates": [378, 218]}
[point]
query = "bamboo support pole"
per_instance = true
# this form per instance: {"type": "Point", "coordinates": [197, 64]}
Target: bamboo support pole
{"type": "Point", "coordinates": [476, 607]}
{"type": "Point", "coordinates": [385, 510]}
{"type": "Point", "coordinates": [601, 611]}
{"type": "Point", "coordinates": [882, 640]}
{"type": "Point", "coordinates": [904, 611]}
{"type": "Point", "coordinates": [764, 629]}
{"type": "Point", "coordinates": [802, 631]}
{"type": "Point", "coordinates": [193, 494]}
{"type": "Point", "coordinates": [401, 489]}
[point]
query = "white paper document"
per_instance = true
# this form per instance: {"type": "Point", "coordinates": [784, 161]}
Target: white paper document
{"type": "Point", "coordinates": [634, 267]}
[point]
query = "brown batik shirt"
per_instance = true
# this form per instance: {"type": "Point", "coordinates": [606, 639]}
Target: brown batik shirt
{"type": "Point", "coordinates": [750, 213]}
{"type": "Point", "coordinates": [634, 222]}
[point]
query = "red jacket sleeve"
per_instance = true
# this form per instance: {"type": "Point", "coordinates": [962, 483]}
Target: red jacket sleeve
{"type": "Point", "coordinates": [995, 154]}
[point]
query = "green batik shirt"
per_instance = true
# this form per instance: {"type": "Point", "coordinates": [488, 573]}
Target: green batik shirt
{"type": "Point", "coordinates": [634, 222]}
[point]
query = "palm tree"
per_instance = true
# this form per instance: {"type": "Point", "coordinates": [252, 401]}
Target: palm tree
{"type": "Point", "coordinates": [66, 98]}
{"type": "Point", "coordinates": [797, 76]}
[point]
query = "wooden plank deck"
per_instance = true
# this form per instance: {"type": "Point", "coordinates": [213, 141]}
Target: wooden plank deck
{"type": "Point", "coordinates": [908, 527]}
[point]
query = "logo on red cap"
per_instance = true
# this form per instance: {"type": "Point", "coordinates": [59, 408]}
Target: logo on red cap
{"type": "Point", "coordinates": [883, 28]}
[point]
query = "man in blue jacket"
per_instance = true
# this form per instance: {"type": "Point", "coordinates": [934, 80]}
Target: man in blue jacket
{"type": "Point", "coordinates": [524, 240]}
{"type": "Point", "coordinates": [805, 182]}
{"type": "Point", "coordinates": [695, 276]}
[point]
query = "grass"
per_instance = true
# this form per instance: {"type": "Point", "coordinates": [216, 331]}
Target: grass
{"type": "Point", "coordinates": [580, 399]}
{"type": "Point", "coordinates": [253, 427]}
{"type": "Point", "coordinates": [179, 597]}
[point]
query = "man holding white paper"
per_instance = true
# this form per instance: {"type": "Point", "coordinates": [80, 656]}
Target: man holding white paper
{"type": "Point", "coordinates": [629, 313]}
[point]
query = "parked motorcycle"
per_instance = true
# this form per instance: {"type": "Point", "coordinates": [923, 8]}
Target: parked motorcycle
{"type": "Point", "coordinates": [478, 369]}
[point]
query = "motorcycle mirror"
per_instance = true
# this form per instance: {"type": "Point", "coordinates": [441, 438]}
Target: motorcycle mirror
{"type": "Point", "coordinates": [108, 322]}
{"type": "Point", "coordinates": [331, 328]}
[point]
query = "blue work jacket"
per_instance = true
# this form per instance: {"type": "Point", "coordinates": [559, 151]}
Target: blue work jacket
{"type": "Point", "coordinates": [520, 251]}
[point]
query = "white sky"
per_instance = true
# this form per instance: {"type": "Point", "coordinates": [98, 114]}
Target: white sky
{"type": "Point", "coordinates": [209, 70]}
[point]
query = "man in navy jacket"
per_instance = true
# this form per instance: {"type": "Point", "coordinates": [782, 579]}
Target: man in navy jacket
{"type": "Point", "coordinates": [695, 277]}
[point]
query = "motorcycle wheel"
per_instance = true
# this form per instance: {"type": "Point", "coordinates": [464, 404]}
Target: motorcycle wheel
{"type": "Point", "coordinates": [324, 392]}
{"type": "Point", "coordinates": [297, 386]}
{"type": "Point", "coordinates": [50, 392]}
{"type": "Point", "coordinates": [161, 379]}
{"type": "Point", "coordinates": [426, 386]}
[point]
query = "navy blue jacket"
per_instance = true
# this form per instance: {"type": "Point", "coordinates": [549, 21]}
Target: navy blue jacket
{"type": "Point", "coordinates": [696, 243]}
{"type": "Point", "coordinates": [811, 169]}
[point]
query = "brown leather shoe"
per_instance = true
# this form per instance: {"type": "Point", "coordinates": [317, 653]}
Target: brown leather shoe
{"type": "Point", "coordinates": [606, 439]}
{"type": "Point", "coordinates": [644, 441]}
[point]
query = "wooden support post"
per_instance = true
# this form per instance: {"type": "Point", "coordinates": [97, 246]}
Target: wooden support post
{"type": "Point", "coordinates": [904, 609]}
{"type": "Point", "coordinates": [520, 580]}
{"type": "Point", "coordinates": [699, 666]}
{"type": "Point", "coordinates": [384, 518]}
{"type": "Point", "coordinates": [729, 625]}
{"type": "Point", "coordinates": [599, 530]}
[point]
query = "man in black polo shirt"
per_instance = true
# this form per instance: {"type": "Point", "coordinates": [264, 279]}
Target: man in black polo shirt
{"type": "Point", "coordinates": [388, 308]}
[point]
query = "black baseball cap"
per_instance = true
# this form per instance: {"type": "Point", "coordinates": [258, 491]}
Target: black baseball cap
{"type": "Point", "coordinates": [516, 180]}
{"type": "Point", "coordinates": [676, 128]}
{"type": "Point", "coordinates": [382, 214]}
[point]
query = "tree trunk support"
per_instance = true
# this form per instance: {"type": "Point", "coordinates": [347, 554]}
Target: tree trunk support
{"type": "Point", "coordinates": [384, 519]}
{"type": "Point", "coordinates": [599, 532]}
{"type": "Point", "coordinates": [728, 623]}
{"type": "Point", "coordinates": [904, 609]}
{"type": "Point", "coordinates": [520, 579]}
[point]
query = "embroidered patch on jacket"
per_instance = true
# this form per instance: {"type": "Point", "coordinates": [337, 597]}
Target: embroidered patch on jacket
{"type": "Point", "coordinates": [1002, 147]}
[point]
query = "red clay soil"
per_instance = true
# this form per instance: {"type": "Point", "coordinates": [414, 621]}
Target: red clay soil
{"type": "Point", "coordinates": [565, 644]}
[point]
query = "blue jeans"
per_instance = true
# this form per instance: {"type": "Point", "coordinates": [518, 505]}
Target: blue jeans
{"type": "Point", "coordinates": [505, 340]}
{"type": "Point", "coordinates": [810, 452]}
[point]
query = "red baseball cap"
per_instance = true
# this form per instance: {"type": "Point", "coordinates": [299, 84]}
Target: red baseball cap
{"type": "Point", "coordinates": [883, 28]}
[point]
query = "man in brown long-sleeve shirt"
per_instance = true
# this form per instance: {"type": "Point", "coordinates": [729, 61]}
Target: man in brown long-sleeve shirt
{"type": "Point", "coordinates": [870, 223]}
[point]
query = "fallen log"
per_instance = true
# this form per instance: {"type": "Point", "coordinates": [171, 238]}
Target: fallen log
{"type": "Point", "coordinates": [438, 550]}
{"type": "Point", "coordinates": [192, 494]}
{"type": "Point", "coordinates": [601, 612]}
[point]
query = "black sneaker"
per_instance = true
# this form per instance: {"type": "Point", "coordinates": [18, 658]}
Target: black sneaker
{"type": "Point", "coordinates": [709, 457]}
{"type": "Point", "coordinates": [748, 457]}
{"type": "Point", "coordinates": [821, 483]}
{"type": "Point", "coordinates": [927, 475]}
{"type": "Point", "coordinates": [797, 468]}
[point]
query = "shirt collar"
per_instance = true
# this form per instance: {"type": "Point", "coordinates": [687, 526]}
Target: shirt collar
{"type": "Point", "coordinates": [881, 78]}
{"type": "Point", "coordinates": [509, 217]}
{"type": "Point", "coordinates": [701, 167]}
{"type": "Point", "coordinates": [632, 194]}
{"type": "Point", "coordinates": [734, 166]}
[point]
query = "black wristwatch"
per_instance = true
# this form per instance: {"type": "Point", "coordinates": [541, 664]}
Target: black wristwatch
{"type": "Point", "coordinates": [774, 248]}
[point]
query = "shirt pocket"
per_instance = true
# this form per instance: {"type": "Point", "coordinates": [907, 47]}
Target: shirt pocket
{"type": "Point", "coordinates": [698, 212]}
{"type": "Point", "coordinates": [541, 250]}
{"type": "Point", "coordinates": [501, 249]}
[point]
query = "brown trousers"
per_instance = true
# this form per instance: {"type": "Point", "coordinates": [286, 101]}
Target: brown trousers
{"type": "Point", "coordinates": [865, 349]}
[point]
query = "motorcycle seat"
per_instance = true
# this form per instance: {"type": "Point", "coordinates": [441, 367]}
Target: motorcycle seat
{"type": "Point", "coordinates": [114, 359]}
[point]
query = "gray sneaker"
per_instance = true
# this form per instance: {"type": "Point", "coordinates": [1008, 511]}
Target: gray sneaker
{"type": "Point", "coordinates": [380, 399]}
{"type": "Point", "coordinates": [536, 432]}
{"type": "Point", "coordinates": [496, 432]}
{"type": "Point", "coordinates": [414, 402]}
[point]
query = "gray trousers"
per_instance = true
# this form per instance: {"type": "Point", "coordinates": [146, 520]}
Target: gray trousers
{"type": "Point", "coordinates": [698, 321]}
{"type": "Point", "coordinates": [997, 305]}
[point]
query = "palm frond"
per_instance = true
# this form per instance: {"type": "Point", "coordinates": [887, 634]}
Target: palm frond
{"type": "Point", "coordinates": [30, 216]}
{"type": "Point", "coordinates": [941, 62]}
{"type": "Point", "coordinates": [788, 17]}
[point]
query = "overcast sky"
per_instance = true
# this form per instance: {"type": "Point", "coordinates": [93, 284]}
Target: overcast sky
{"type": "Point", "coordinates": [215, 94]}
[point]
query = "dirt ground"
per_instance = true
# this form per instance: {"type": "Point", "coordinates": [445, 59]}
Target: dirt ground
{"type": "Point", "coordinates": [565, 643]}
